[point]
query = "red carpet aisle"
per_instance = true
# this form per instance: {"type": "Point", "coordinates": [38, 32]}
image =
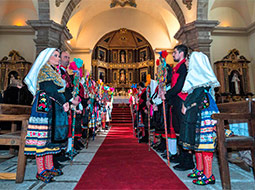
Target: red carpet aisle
{"type": "Point", "coordinates": [122, 163]}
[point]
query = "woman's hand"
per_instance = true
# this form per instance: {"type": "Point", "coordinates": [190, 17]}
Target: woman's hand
{"type": "Point", "coordinates": [184, 109]}
{"type": "Point", "coordinates": [78, 111]}
{"type": "Point", "coordinates": [66, 107]}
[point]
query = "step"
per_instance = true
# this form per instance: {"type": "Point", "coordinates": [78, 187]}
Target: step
{"type": "Point", "coordinates": [121, 118]}
{"type": "Point", "coordinates": [117, 114]}
{"type": "Point", "coordinates": [121, 112]}
{"type": "Point", "coordinates": [121, 121]}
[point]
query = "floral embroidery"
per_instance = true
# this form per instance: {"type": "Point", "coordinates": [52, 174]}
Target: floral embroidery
{"type": "Point", "coordinates": [42, 105]}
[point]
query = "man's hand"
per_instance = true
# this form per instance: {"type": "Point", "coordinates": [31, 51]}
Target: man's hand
{"type": "Point", "coordinates": [155, 107]}
{"type": "Point", "coordinates": [76, 100]}
{"type": "Point", "coordinates": [148, 103]}
{"type": "Point", "coordinates": [162, 95]}
{"type": "Point", "coordinates": [66, 107]}
{"type": "Point", "coordinates": [78, 111]}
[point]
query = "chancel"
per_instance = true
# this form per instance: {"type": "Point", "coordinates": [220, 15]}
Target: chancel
{"type": "Point", "coordinates": [127, 94]}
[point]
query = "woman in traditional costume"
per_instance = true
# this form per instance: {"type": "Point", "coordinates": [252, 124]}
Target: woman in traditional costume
{"type": "Point", "coordinates": [198, 130]}
{"type": "Point", "coordinates": [48, 123]}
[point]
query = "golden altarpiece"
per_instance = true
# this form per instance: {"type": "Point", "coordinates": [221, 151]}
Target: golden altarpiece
{"type": "Point", "coordinates": [13, 69]}
{"type": "Point", "coordinates": [233, 74]}
{"type": "Point", "coordinates": [121, 58]}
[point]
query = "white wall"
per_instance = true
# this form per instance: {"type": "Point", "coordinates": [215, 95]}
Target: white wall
{"type": "Point", "coordinates": [19, 16]}
{"type": "Point", "coordinates": [227, 17]}
{"type": "Point", "coordinates": [86, 57]}
{"type": "Point", "coordinates": [24, 44]}
{"type": "Point", "coordinates": [251, 43]}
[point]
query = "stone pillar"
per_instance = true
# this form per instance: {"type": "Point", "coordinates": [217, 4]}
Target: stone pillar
{"type": "Point", "coordinates": [49, 34]}
{"type": "Point", "coordinates": [196, 35]}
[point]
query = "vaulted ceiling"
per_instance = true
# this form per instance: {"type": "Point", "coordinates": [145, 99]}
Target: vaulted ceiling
{"type": "Point", "coordinates": [153, 19]}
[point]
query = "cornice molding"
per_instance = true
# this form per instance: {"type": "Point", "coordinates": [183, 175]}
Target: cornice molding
{"type": "Point", "coordinates": [235, 31]}
{"type": "Point", "coordinates": [157, 50]}
{"type": "Point", "coordinates": [48, 24]}
{"type": "Point", "coordinates": [251, 28]}
{"type": "Point", "coordinates": [198, 25]}
{"type": "Point", "coordinates": [13, 30]}
{"type": "Point", "coordinates": [80, 50]}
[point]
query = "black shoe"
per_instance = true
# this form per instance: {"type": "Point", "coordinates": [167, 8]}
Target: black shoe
{"type": "Point", "coordinates": [63, 158]}
{"type": "Point", "coordinates": [180, 167]}
{"type": "Point", "coordinates": [160, 150]}
{"type": "Point", "coordinates": [154, 145]}
{"type": "Point", "coordinates": [164, 154]}
{"type": "Point", "coordinates": [58, 165]}
{"type": "Point", "coordinates": [175, 159]}
{"type": "Point", "coordinates": [143, 140]}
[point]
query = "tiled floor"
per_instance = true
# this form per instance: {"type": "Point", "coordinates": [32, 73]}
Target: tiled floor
{"type": "Point", "coordinates": [72, 173]}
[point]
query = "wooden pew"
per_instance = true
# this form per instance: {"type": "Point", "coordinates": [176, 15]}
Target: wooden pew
{"type": "Point", "coordinates": [15, 113]}
{"type": "Point", "coordinates": [244, 110]}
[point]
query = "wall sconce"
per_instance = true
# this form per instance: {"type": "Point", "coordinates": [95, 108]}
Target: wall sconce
{"type": "Point", "coordinates": [19, 22]}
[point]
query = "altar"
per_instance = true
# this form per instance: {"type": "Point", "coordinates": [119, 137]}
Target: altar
{"type": "Point", "coordinates": [120, 99]}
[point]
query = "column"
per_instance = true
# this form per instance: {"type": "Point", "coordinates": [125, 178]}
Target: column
{"type": "Point", "coordinates": [196, 35]}
{"type": "Point", "coordinates": [49, 34]}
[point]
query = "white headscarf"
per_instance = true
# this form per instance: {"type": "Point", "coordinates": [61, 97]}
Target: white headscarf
{"type": "Point", "coordinates": [200, 73]}
{"type": "Point", "coordinates": [31, 78]}
{"type": "Point", "coordinates": [153, 85]}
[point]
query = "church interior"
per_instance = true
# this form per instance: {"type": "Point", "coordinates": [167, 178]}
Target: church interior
{"type": "Point", "coordinates": [122, 49]}
{"type": "Point", "coordinates": [120, 40]}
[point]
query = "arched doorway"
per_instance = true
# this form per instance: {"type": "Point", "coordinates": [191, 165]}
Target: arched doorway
{"type": "Point", "coordinates": [121, 58]}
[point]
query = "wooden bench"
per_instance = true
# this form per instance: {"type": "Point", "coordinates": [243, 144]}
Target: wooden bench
{"type": "Point", "coordinates": [234, 111]}
{"type": "Point", "coordinates": [15, 113]}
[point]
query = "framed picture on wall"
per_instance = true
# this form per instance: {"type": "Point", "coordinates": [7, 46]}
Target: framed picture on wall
{"type": "Point", "coordinates": [143, 54]}
{"type": "Point", "coordinates": [101, 74]}
{"type": "Point", "coordinates": [143, 74]}
{"type": "Point", "coordinates": [101, 54]}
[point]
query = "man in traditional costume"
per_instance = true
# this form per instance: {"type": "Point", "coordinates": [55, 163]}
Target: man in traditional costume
{"type": "Point", "coordinates": [175, 98]}
{"type": "Point", "coordinates": [48, 125]}
{"type": "Point", "coordinates": [143, 112]}
{"type": "Point", "coordinates": [64, 62]}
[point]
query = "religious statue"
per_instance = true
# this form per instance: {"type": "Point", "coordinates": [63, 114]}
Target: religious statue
{"type": "Point", "coordinates": [236, 82]}
{"type": "Point", "coordinates": [122, 57]}
{"type": "Point", "coordinates": [122, 76]}
{"type": "Point", "coordinates": [15, 81]}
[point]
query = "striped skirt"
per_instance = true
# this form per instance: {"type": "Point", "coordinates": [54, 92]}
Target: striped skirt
{"type": "Point", "coordinates": [38, 134]}
{"type": "Point", "coordinates": [208, 128]}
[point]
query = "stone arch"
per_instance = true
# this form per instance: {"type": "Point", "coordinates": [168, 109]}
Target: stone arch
{"type": "Point", "coordinates": [68, 11]}
{"type": "Point", "coordinates": [172, 3]}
